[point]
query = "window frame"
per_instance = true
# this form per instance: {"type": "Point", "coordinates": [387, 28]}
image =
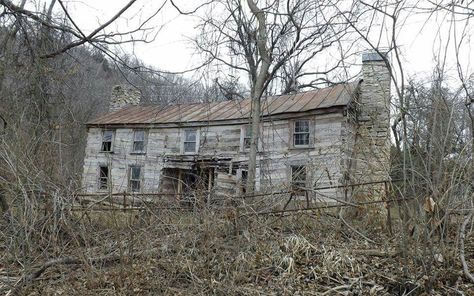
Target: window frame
{"type": "Point", "coordinates": [144, 141]}
{"type": "Point", "coordinates": [111, 141]}
{"type": "Point", "coordinates": [131, 179]}
{"type": "Point", "coordinates": [294, 133]}
{"type": "Point", "coordinates": [196, 141]}
{"type": "Point", "coordinates": [100, 177]}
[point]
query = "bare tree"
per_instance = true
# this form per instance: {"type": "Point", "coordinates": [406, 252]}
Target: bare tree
{"type": "Point", "coordinates": [260, 39]}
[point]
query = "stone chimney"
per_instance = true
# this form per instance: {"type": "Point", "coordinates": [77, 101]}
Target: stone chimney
{"type": "Point", "coordinates": [371, 155]}
{"type": "Point", "coordinates": [374, 96]}
{"type": "Point", "coordinates": [123, 96]}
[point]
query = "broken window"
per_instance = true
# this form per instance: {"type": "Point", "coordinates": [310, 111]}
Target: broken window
{"type": "Point", "coordinates": [298, 177]}
{"type": "Point", "coordinates": [190, 140]}
{"type": "Point", "coordinates": [107, 139]}
{"type": "Point", "coordinates": [135, 177]}
{"type": "Point", "coordinates": [103, 177]}
{"type": "Point", "coordinates": [138, 141]}
{"type": "Point", "coordinates": [301, 133]}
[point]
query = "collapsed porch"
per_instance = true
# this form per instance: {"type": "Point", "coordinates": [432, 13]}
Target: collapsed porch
{"type": "Point", "coordinates": [195, 179]}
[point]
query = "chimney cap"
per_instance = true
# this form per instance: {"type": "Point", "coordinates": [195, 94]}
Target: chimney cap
{"type": "Point", "coordinates": [373, 56]}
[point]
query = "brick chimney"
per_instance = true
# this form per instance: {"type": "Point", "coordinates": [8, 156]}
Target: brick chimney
{"type": "Point", "coordinates": [123, 96]}
{"type": "Point", "coordinates": [371, 155]}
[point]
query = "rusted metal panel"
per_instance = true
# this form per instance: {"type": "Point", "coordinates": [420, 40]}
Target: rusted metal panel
{"type": "Point", "coordinates": [303, 100]}
{"type": "Point", "coordinates": [281, 104]}
{"type": "Point", "coordinates": [241, 110]}
{"type": "Point", "coordinates": [339, 95]}
{"type": "Point", "coordinates": [225, 110]}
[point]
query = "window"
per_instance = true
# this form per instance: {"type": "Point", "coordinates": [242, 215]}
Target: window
{"type": "Point", "coordinates": [134, 183]}
{"type": "Point", "coordinates": [107, 139]}
{"type": "Point", "coordinates": [247, 136]}
{"type": "Point", "coordinates": [190, 140]}
{"type": "Point", "coordinates": [103, 177]}
{"type": "Point", "coordinates": [301, 133]}
{"type": "Point", "coordinates": [298, 177]}
{"type": "Point", "coordinates": [138, 141]}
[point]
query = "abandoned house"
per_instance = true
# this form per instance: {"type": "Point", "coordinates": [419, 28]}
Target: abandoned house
{"type": "Point", "coordinates": [318, 141]}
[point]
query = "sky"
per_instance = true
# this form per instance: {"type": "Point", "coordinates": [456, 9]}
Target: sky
{"type": "Point", "coordinates": [170, 48]}
{"type": "Point", "coordinates": [420, 41]}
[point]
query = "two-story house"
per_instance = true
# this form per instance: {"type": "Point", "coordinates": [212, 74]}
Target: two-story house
{"type": "Point", "coordinates": [320, 138]}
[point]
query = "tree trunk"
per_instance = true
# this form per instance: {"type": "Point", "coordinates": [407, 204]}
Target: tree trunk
{"type": "Point", "coordinates": [252, 169]}
{"type": "Point", "coordinates": [257, 91]}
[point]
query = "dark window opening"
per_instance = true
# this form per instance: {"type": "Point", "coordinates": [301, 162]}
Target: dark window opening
{"type": "Point", "coordinates": [139, 141]}
{"type": "Point", "coordinates": [135, 179]}
{"type": "Point", "coordinates": [107, 138]}
{"type": "Point", "coordinates": [301, 133]}
{"type": "Point", "coordinates": [103, 177]}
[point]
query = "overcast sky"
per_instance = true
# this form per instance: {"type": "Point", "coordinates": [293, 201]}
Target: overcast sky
{"type": "Point", "coordinates": [420, 41]}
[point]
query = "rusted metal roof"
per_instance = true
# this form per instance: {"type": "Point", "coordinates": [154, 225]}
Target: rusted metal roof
{"type": "Point", "coordinates": [335, 96]}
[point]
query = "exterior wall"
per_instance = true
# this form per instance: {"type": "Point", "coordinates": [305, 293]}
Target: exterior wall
{"type": "Point", "coordinates": [120, 160]}
{"type": "Point", "coordinates": [323, 157]}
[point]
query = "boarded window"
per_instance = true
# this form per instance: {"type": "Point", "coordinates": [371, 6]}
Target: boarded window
{"type": "Point", "coordinates": [139, 141]}
{"type": "Point", "coordinates": [298, 177]}
{"type": "Point", "coordinates": [190, 139]}
{"type": "Point", "coordinates": [135, 177]}
{"type": "Point", "coordinates": [301, 133]}
{"type": "Point", "coordinates": [107, 139]}
{"type": "Point", "coordinates": [103, 177]}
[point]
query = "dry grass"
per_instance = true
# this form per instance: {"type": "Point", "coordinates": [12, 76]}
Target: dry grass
{"type": "Point", "coordinates": [206, 253]}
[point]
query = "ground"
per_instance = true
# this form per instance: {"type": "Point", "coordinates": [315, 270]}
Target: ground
{"type": "Point", "coordinates": [205, 253]}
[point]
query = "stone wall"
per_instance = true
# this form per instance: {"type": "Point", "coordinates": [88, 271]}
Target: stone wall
{"type": "Point", "coordinates": [123, 96]}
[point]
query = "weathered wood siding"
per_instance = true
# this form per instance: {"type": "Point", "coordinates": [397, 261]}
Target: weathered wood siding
{"type": "Point", "coordinates": [324, 157]}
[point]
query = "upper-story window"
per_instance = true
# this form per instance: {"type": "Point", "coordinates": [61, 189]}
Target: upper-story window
{"type": "Point", "coordinates": [190, 141]}
{"type": "Point", "coordinates": [301, 133]}
{"type": "Point", "coordinates": [139, 141]}
{"type": "Point", "coordinates": [107, 141]}
{"type": "Point", "coordinates": [246, 137]}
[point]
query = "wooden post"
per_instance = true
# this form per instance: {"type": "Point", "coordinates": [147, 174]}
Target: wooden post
{"type": "Point", "coordinates": [209, 186]}
{"type": "Point", "coordinates": [307, 198]}
{"type": "Point", "coordinates": [389, 215]}
{"type": "Point", "coordinates": [124, 200]}
{"type": "Point", "coordinates": [180, 185]}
